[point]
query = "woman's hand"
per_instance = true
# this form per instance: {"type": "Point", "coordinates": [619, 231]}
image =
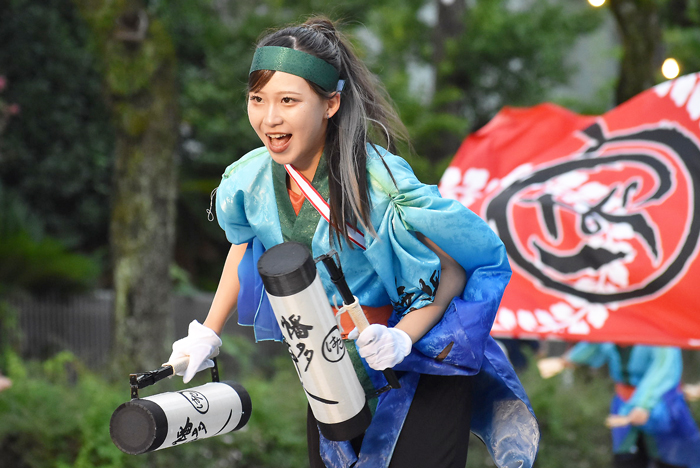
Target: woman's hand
{"type": "Point", "coordinates": [382, 347]}
{"type": "Point", "coordinates": [200, 345]}
{"type": "Point", "coordinates": [638, 416]}
{"type": "Point", "coordinates": [692, 391]}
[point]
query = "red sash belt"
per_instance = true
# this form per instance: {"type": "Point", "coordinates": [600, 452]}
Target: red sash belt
{"type": "Point", "coordinates": [624, 391]}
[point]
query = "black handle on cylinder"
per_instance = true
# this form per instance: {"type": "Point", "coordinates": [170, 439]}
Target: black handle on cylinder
{"type": "Point", "coordinates": [338, 278]}
{"type": "Point", "coordinates": [145, 379]}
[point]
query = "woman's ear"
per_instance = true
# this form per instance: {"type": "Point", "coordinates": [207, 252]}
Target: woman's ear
{"type": "Point", "coordinates": [333, 105]}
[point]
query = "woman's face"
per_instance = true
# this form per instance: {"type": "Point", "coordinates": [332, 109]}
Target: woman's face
{"type": "Point", "coordinates": [291, 119]}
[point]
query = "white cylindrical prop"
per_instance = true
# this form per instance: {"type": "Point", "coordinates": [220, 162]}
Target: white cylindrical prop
{"type": "Point", "coordinates": [173, 418]}
{"type": "Point", "coordinates": [311, 332]}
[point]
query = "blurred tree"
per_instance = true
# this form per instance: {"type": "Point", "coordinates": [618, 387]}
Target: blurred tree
{"type": "Point", "coordinates": [639, 25]}
{"type": "Point", "coordinates": [652, 30]}
{"type": "Point", "coordinates": [213, 42]}
{"type": "Point", "coordinates": [56, 154]}
{"type": "Point", "coordinates": [482, 56]}
{"type": "Point", "coordinates": [139, 70]}
{"type": "Point", "coordinates": [450, 26]}
{"type": "Point", "coordinates": [681, 32]}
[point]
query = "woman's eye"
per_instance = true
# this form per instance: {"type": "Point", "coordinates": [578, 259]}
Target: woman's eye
{"type": "Point", "coordinates": [255, 98]}
{"type": "Point", "coordinates": [287, 100]}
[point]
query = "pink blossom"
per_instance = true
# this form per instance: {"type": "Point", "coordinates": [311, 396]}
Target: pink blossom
{"type": "Point", "coordinates": [13, 109]}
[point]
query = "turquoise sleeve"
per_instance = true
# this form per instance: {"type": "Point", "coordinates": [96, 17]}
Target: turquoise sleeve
{"type": "Point", "coordinates": [663, 374]}
{"type": "Point", "coordinates": [590, 354]}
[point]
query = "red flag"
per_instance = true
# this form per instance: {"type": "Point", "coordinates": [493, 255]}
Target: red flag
{"type": "Point", "coordinates": [599, 216]}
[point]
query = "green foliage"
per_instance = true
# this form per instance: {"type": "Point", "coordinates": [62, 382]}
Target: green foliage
{"type": "Point", "coordinates": [56, 153]}
{"type": "Point", "coordinates": [503, 56]}
{"type": "Point", "coordinates": [182, 283]}
{"type": "Point", "coordinates": [509, 57]}
{"type": "Point", "coordinates": [44, 265]}
{"type": "Point", "coordinates": [682, 33]}
{"type": "Point", "coordinates": [213, 41]}
{"type": "Point", "coordinates": [280, 419]}
{"type": "Point", "coordinates": [9, 332]}
{"type": "Point", "coordinates": [34, 262]}
{"type": "Point", "coordinates": [56, 415]}
{"type": "Point", "coordinates": [38, 416]}
{"type": "Point", "coordinates": [571, 409]}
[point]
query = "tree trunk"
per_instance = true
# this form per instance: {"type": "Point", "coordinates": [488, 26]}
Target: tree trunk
{"type": "Point", "coordinates": [450, 27]}
{"type": "Point", "coordinates": [139, 68]}
{"type": "Point", "coordinates": [638, 22]}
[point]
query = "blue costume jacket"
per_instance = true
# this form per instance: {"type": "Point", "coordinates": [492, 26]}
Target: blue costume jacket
{"type": "Point", "coordinates": [655, 372]}
{"type": "Point", "coordinates": [396, 268]}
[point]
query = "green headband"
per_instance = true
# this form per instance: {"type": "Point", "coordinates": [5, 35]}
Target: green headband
{"type": "Point", "coordinates": [296, 63]}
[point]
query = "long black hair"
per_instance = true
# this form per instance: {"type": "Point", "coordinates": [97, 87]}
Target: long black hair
{"type": "Point", "coordinates": [365, 116]}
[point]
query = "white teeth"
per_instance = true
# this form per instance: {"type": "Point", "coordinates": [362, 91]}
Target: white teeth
{"type": "Point", "coordinates": [278, 135]}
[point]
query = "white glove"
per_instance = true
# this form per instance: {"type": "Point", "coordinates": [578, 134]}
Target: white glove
{"type": "Point", "coordinates": [201, 344]}
{"type": "Point", "coordinates": [382, 347]}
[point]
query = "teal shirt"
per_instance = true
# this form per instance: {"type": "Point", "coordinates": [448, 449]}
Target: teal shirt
{"type": "Point", "coordinates": [652, 370]}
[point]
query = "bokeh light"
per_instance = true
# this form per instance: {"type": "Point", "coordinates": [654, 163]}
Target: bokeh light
{"type": "Point", "coordinates": [670, 69]}
{"type": "Point", "coordinates": [596, 3]}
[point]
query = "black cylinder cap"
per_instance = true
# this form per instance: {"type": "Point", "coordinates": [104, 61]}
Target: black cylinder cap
{"type": "Point", "coordinates": [138, 426]}
{"type": "Point", "coordinates": [287, 269]}
{"type": "Point", "coordinates": [349, 429]}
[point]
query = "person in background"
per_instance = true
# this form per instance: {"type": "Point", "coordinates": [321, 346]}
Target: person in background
{"type": "Point", "coordinates": [650, 421]}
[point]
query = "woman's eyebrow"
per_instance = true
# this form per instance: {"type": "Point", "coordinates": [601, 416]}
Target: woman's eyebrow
{"type": "Point", "coordinates": [276, 92]}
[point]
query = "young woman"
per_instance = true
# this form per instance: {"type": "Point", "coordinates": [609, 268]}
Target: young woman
{"type": "Point", "coordinates": [428, 273]}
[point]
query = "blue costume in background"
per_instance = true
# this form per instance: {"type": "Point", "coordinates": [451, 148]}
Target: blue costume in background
{"type": "Point", "coordinates": [670, 434]}
{"type": "Point", "coordinates": [397, 269]}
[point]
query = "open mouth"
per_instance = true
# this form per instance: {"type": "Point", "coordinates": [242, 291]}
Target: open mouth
{"type": "Point", "coordinates": [278, 142]}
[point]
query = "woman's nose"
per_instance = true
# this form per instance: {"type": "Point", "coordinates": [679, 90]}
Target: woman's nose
{"type": "Point", "coordinates": [273, 116]}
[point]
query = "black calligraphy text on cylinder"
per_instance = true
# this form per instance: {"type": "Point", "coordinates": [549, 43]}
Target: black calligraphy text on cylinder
{"type": "Point", "coordinates": [174, 418]}
{"type": "Point", "coordinates": [311, 333]}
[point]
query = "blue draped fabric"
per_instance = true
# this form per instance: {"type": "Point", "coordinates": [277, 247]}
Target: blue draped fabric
{"type": "Point", "coordinates": [254, 307]}
{"type": "Point", "coordinates": [398, 269]}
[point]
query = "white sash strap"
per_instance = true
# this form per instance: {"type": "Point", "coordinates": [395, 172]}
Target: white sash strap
{"type": "Point", "coordinates": [321, 205]}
